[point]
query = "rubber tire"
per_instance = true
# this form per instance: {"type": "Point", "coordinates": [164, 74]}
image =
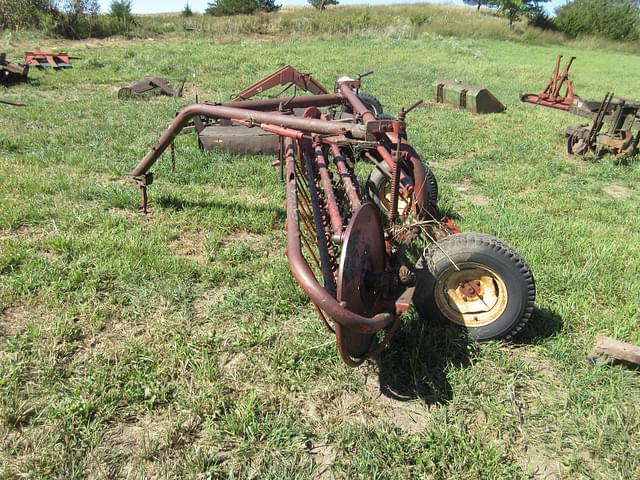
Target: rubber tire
{"type": "Point", "coordinates": [370, 101]}
{"type": "Point", "coordinates": [376, 181]}
{"type": "Point", "coordinates": [499, 257]}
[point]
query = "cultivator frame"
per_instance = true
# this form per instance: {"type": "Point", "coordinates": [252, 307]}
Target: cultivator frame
{"type": "Point", "coordinates": [354, 265]}
{"type": "Point", "coordinates": [615, 122]}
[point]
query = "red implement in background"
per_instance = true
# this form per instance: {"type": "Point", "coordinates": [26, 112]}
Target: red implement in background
{"type": "Point", "coordinates": [286, 76]}
{"type": "Point", "coordinates": [551, 96]}
{"type": "Point", "coordinates": [40, 59]}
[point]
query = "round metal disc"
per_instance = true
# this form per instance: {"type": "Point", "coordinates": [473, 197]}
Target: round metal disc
{"type": "Point", "coordinates": [362, 261]}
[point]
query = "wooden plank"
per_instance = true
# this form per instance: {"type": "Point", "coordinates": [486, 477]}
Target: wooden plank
{"type": "Point", "coordinates": [608, 349]}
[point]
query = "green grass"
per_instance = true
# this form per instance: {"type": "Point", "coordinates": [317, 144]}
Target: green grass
{"type": "Point", "coordinates": [178, 345]}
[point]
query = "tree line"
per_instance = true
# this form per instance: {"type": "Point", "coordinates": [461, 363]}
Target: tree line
{"type": "Point", "coordinates": [67, 18]}
{"type": "Point", "coordinates": [613, 19]}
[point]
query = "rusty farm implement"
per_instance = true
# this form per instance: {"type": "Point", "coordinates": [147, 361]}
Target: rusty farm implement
{"type": "Point", "coordinates": [364, 250]}
{"type": "Point", "coordinates": [614, 122]}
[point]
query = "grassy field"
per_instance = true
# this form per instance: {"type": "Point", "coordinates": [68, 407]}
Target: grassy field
{"type": "Point", "coordinates": [177, 344]}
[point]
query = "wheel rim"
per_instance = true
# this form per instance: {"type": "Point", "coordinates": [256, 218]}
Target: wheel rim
{"type": "Point", "coordinates": [385, 199]}
{"type": "Point", "coordinates": [472, 296]}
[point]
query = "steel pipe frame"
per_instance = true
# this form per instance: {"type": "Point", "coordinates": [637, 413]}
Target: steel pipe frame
{"type": "Point", "coordinates": [310, 125]}
{"type": "Point", "coordinates": [294, 130]}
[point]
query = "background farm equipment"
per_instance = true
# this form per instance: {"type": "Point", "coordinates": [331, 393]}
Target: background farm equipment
{"type": "Point", "coordinates": [153, 85]}
{"type": "Point", "coordinates": [615, 122]}
{"type": "Point", "coordinates": [466, 97]}
{"type": "Point", "coordinates": [40, 59]}
{"type": "Point", "coordinates": [11, 102]}
{"type": "Point", "coordinates": [12, 72]}
{"type": "Point", "coordinates": [363, 250]}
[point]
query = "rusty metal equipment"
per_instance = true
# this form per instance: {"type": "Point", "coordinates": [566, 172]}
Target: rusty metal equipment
{"type": "Point", "coordinates": [153, 85]}
{"type": "Point", "coordinates": [12, 72]}
{"type": "Point", "coordinates": [41, 59]}
{"type": "Point", "coordinates": [615, 122]}
{"type": "Point", "coordinates": [552, 95]}
{"type": "Point", "coordinates": [466, 97]}
{"type": "Point", "coordinates": [353, 250]}
{"type": "Point", "coordinates": [615, 128]}
{"type": "Point", "coordinates": [12, 103]}
{"type": "Point", "coordinates": [222, 135]}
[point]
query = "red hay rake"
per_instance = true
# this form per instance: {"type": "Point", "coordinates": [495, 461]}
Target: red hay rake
{"type": "Point", "coordinates": [353, 250]}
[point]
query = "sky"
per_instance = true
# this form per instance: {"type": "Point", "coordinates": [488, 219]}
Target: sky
{"type": "Point", "coordinates": [159, 6]}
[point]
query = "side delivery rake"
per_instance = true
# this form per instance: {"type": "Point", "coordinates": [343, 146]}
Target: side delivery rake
{"type": "Point", "coordinates": [362, 255]}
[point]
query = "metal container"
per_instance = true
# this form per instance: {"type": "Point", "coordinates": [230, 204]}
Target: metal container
{"type": "Point", "coordinates": [468, 97]}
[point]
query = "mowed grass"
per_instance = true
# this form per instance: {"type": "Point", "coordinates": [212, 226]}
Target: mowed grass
{"type": "Point", "coordinates": [177, 344]}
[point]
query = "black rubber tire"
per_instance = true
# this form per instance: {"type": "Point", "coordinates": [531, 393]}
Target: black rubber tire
{"type": "Point", "coordinates": [385, 116]}
{"type": "Point", "coordinates": [370, 101]}
{"type": "Point", "coordinates": [377, 180]}
{"type": "Point", "coordinates": [492, 253]}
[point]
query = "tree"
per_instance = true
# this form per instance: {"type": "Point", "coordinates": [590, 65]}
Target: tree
{"type": "Point", "coordinates": [513, 9]}
{"type": "Point", "coordinates": [238, 7]}
{"type": "Point", "coordinates": [186, 11]}
{"type": "Point", "coordinates": [121, 9]}
{"type": "Point", "coordinates": [322, 4]}
{"type": "Point", "coordinates": [614, 19]}
{"type": "Point", "coordinates": [479, 3]}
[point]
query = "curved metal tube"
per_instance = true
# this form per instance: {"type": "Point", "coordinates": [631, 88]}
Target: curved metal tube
{"type": "Point", "coordinates": [223, 111]}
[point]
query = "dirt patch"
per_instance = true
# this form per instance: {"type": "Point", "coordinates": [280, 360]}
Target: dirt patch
{"type": "Point", "coordinates": [362, 407]}
{"type": "Point", "coordinates": [13, 320]}
{"type": "Point", "coordinates": [616, 191]}
{"type": "Point", "coordinates": [470, 197]}
{"type": "Point", "coordinates": [189, 245]}
{"type": "Point", "coordinates": [21, 233]}
{"type": "Point", "coordinates": [252, 197]}
{"type": "Point", "coordinates": [449, 163]}
{"type": "Point", "coordinates": [324, 456]}
{"type": "Point", "coordinates": [252, 239]}
{"type": "Point", "coordinates": [105, 179]}
{"type": "Point", "coordinates": [541, 466]}
{"type": "Point", "coordinates": [203, 304]}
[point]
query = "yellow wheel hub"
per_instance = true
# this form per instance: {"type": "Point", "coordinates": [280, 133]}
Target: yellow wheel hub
{"type": "Point", "coordinates": [472, 296]}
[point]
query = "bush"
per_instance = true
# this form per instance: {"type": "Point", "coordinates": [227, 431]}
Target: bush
{"type": "Point", "coordinates": [239, 7]}
{"type": "Point", "coordinates": [15, 14]}
{"type": "Point", "coordinates": [614, 19]}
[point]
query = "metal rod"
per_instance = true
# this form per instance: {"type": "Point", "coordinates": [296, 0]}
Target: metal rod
{"type": "Point", "coordinates": [329, 195]}
{"type": "Point", "coordinates": [345, 176]}
{"type": "Point", "coordinates": [221, 111]}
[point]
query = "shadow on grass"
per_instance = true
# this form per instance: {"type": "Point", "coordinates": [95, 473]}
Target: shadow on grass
{"type": "Point", "coordinates": [416, 363]}
{"type": "Point", "coordinates": [174, 203]}
{"type": "Point", "coordinates": [543, 324]}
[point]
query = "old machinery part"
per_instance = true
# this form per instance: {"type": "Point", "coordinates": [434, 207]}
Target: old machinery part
{"type": "Point", "coordinates": [362, 265]}
{"type": "Point", "coordinates": [12, 72]}
{"type": "Point", "coordinates": [472, 98]}
{"type": "Point", "coordinates": [355, 267]}
{"type": "Point", "coordinates": [40, 59]}
{"type": "Point", "coordinates": [287, 77]}
{"type": "Point", "coordinates": [552, 96]}
{"type": "Point", "coordinates": [13, 103]}
{"type": "Point", "coordinates": [152, 85]}
{"type": "Point", "coordinates": [615, 128]}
